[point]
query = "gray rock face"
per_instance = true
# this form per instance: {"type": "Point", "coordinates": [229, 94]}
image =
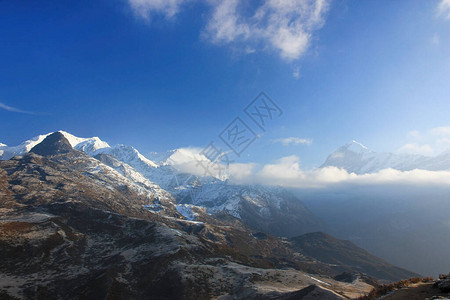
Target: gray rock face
{"type": "Point", "coordinates": [74, 228]}
{"type": "Point", "coordinates": [444, 285]}
{"type": "Point", "coordinates": [53, 144]}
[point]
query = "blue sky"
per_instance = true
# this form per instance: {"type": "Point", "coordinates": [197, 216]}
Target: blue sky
{"type": "Point", "coordinates": [160, 76]}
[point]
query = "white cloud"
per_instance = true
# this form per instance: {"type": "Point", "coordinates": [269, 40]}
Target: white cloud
{"type": "Point", "coordinates": [241, 172]}
{"type": "Point", "coordinates": [436, 40]}
{"type": "Point", "coordinates": [414, 148]}
{"type": "Point", "coordinates": [415, 134]}
{"type": "Point", "coordinates": [293, 140]}
{"type": "Point", "coordinates": [287, 172]}
{"type": "Point", "coordinates": [284, 26]}
{"type": "Point", "coordinates": [433, 141]}
{"type": "Point", "coordinates": [441, 131]}
{"type": "Point", "coordinates": [225, 25]}
{"type": "Point", "coordinates": [13, 109]}
{"type": "Point", "coordinates": [189, 160]}
{"type": "Point", "coordinates": [443, 142]}
{"type": "Point", "coordinates": [444, 8]}
{"type": "Point", "coordinates": [296, 73]}
{"type": "Point", "coordinates": [286, 168]}
{"type": "Point", "coordinates": [144, 8]}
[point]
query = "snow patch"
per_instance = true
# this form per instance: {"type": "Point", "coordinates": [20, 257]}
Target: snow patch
{"type": "Point", "coordinates": [88, 145]}
{"type": "Point", "coordinates": [356, 147]}
{"type": "Point", "coordinates": [186, 211]}
{"type": "Point", "coordinates": [313, 278]}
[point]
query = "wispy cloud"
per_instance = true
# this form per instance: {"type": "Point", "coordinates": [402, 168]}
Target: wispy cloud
{"type": "Point", "coordinates": [436, 40]}
{"type": "Point", "coordinates": [415, 134]}
{"type": "Point", "coordinates": [444, 8]}
{"type": "Point", "coordinates": [293, 141]}
{"type": "Point", "coordinates": [428, 143]}
{"type": "Point", "coordinates": [441, 131]}
{"type": "Point", "coordinates": [13, 109]}
{"type": "Point", "coordinates": [145, 8]}
{"type": "Point", "coordinates": [283, 26]}
{"type": "Point", "coordinates": [296, 72]}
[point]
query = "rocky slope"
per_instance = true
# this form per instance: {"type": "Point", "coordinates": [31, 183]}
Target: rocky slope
{"type": "Point", "coordinates": [75, 228]}
{"type": "Point", "coordinates": [337, 252]}
{"type": "Point", "coordinates": [413, 289]}
{"type": "Point", "coordinates": [270, 209]}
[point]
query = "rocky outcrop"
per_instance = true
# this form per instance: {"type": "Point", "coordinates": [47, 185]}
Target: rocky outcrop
{"type": "Point", "coordinates": [54, 144]}
{"type": "Point", "coordinates": [74, 228]}
{"type": "Point", "coordinates": [443, 284]}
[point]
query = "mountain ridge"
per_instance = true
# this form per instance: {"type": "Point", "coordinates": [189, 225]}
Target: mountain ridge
{"type": "Point", "coordinates": [89, 226]}
{"type": "Point", "coordinates": [356, 158]}
{"type": "Point", "coordinates": [268, 209]}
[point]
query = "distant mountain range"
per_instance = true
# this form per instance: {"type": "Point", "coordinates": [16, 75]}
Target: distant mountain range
{"type": "Point", "coordinates": [357, 158]}
{"type": "Point", "coordinates": [83, 220]}
{"type": "Point", "coordinates": [270, 209]}
{"type": "Point", "coordinates": [353, 157]}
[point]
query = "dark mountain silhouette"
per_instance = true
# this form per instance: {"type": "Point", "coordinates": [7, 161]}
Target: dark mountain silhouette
{"type": "Point", "coordinates": [55, 143]}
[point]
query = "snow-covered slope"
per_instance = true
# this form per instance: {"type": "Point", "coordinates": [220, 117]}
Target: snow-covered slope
{"type": "Point", "coordinates": [25, 147]}
{"type": "Point", "coordinates": [129, 155]}
{"type": "Point", "coordinates": [160, 158]}
{"type": "Point", "coordinates": [356, 158]}
{"type": "Point", "coordinates": [88, 145]}
{"type": "Point", "coordinates": [174, 176]}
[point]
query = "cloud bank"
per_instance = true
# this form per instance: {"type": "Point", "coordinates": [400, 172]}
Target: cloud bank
{"type": "Point", "coordinates": [287, 172]}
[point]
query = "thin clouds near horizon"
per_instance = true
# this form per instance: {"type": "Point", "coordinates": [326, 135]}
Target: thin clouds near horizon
{"type": "Point", "coordinates": [293, 141]}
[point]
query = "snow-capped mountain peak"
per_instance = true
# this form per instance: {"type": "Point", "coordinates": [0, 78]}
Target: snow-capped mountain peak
{"type": "Point", "coordinates": [88, 145]}
{"type": "Point", "coordinates": [354, 157]}
{"type": "Point", "coordinates": [2, 145]}
{"type": "Point", "coordinates": [129, 155]}
{"type": "Point", "coordinates": [160, 158]}
{"type": "Point", "coordinates": [24, 147]}
{"type": "Point", "coordinates": [353, 146]}
{"type": "Point", "coordinates": [356, 147]}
